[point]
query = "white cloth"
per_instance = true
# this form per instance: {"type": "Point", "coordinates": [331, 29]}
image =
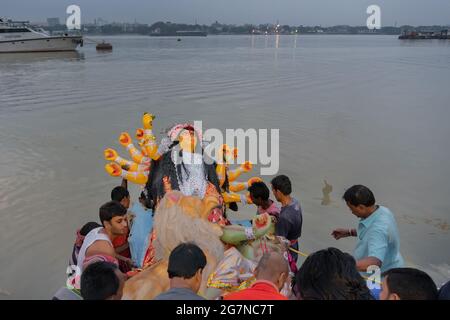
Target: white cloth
{"type": "Point", "coordinates": [194, 182]}
{"type": "Point", "coordinates": [91, 237]}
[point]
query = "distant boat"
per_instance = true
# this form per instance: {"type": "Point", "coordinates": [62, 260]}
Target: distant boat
{"type": "Point", "coordinates": [181, 33]}
{"type": "Point", "coordinates": [18, 36]}
{"type": "Point", "coordinates": [104, 46]}
{"type": "Point", "coordinates": [413, 35]}
{"type": "Point", "coordinates": [196, 33]}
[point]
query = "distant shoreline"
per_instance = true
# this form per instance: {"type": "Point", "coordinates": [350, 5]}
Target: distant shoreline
{"type": "Point", "coordinates": [160, 28]}
{"type": "Point", "coordinates": [241, 34]}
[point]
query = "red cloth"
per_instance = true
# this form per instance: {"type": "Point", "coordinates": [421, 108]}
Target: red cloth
{"type": "Point", "coordinates": [260, 290]}
{"type": "Point", "coordinates": [118, 242]}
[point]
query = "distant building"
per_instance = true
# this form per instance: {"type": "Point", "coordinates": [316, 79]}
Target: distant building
{"type": "Point", "coordinates": [100, 22]}
{"type": "Point", "coordinates": [53, 22]}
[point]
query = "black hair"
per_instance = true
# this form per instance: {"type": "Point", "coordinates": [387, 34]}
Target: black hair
{"type": "Point", "coordinates": [331, 274]}
{"type": "Point", "coordinates": [444, 292]}
{"type": "Point", "coordinates": [155, 182]}
{"type": "Point", "coordinates": [282, 184]}
{"type": "Point", "coordinates": [118, 193]}
{"type": "Point", "coordinates": [411, 284]}
{"type": "Point", "coordinates": [185, 260]}
{"type": "Point", "coordinates": [146, 202]}
{"type": "Point", "coordinates": [110, 210]}
{"type": "Point", "coordinates": [99, 281]}
{"type": "Point", "coordinates": [259, 190]}
{"type": "Point", "coordinates": [88, 227]}
{"type": "Point", "coordinates": [359, 195]}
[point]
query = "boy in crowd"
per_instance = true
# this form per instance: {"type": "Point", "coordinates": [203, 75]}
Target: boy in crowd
{"type": "Point", "coordinates": [102, 281]}
{"type": "Point", "coordinates": [186, 264]}
{"type": "Point", "coordinates": [259, 194]}
{"type": "Point", "coordinates": [99, 242]}
{"type": "Point", "coordinates": [408, 284]}
{"type": "Point", "coordinates": [121, 195]}
{"type": "Point", "coordinates": [290, 220]}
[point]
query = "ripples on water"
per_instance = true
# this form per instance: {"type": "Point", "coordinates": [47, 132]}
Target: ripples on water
{"type": "Point", "coordinates": [351, 109]}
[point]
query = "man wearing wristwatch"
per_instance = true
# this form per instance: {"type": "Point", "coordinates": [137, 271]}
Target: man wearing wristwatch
{"type": "Point", "coordinates": [378, 241]}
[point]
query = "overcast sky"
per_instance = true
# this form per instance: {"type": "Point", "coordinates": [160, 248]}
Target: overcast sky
{"type": "Point", "coordinates": [292, 12]}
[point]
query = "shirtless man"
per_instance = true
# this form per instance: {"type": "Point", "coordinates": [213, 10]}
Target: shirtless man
{"type": "Point", "coordinates": [98, 242]}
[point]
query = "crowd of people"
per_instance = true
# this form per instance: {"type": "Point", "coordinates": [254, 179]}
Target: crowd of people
{"type": "Point", "coordinates": [102, 255]}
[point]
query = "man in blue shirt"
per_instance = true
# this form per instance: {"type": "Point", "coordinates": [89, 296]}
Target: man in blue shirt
{"type": "Point", "coordinates": [378, 241]}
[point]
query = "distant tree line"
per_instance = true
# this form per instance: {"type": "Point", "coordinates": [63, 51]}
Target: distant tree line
{"type": "Point", "coordinates": [169, 28]}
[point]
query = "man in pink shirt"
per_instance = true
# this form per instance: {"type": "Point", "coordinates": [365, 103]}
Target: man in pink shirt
{"type": "Point", "coordinates": [259, 194]}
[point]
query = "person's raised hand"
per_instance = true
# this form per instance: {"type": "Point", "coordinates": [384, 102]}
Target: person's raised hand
{"type": "Point", "coordinates": [340, 233]}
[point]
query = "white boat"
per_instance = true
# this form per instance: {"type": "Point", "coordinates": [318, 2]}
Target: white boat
{"type": "Point", "coordinates": [20, 37]}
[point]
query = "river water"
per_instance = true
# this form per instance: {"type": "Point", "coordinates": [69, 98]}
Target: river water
{"type": "Point", "coordinates": [367, 110]}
